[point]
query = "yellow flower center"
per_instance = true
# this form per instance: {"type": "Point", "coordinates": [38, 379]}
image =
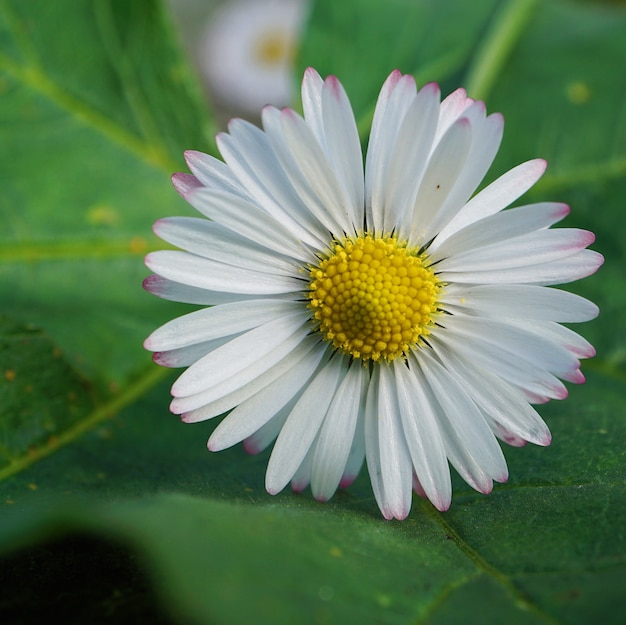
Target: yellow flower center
{"type": "Point", "coordinates": [274, 47]}
{"type": "Point", "coordinates": [372, 297]}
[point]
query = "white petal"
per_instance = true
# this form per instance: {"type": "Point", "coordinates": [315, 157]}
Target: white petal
{"type": "Point", "coordinates": [267, 433]}
{"type": "Point", "coordinates": [395, 460]}
{"type": "Point", "coordinates": [337, 434]}
{"type": "Point", "coordinates": [312, 84]}
{"type": "Point", "coordinates": [254, 412]}
{"type": "Point", "coordinates": [302, 477]}
{"type": "Point", "coordinates": [248, 220]}
{"type": "Point", "coordinates": [503, 434]}
{"type": "Point", "coordinates": [185, 184]}
{"type": "Point", "coordinates": [188, 354]}
{"type": "Point", "coordinates": [523, 301]}
{"type": "Point", "coordinates": [208, 274]}
{"type": "Point", "coordinates": [343, 147]}
{"type": "Point", "coordinates": [470, 444]}
{"type": "Point", "coordinates": [212, 323]}
{"type": "Point", "coordinates": [521, 342]}
{"type": "Point", "coordinates": [394, 100]}
{"type": "Point", "coordinates": [249, 154]}
{"type": "Point", "coordinates": [421, 430]}
{"type": "Point", "coordinates": [372, 445]}
{"type": "Point", "coordinates": [417, 488]}
{"type": "Point", "coordinates": [498, 195]}
{"type": "Point", "coordinates": [239, 356]}
{"type": "Point", "coordinates": [176, 292]}
{"type": "Point", "coordinates": [407, 162]}
{"type": "Point", "coordinates": [213, 173]}
{"type": "Point", "coordinates": [308, 170]}
{"type": "Point", "coordinates": [556, 333]}
{"type": "Point", "coordinates": [486, 138]}
{"type": "Point", "coordinates": [452, 107]}
{"type": "Point", "coordinates": [560, 271]}
{"type": "Point", "coordinates": [505, 225]}
{"type": "Point", "coordinates": [212, 240]}
{"type": "Point", "coordinates": [445, 166]}
{"type": "Point", "coordinates": [537, 384]}
{"type": "Point", "coordinates": [502, 402]}
{"type": "Point", "coordinates": [225, 396]}
{"type": "Point", "coordinates": [357, 452]}
{"type": "Point", "coordinates": [535, 248]}
{"type": "Point", "coordinates": [302, 426]}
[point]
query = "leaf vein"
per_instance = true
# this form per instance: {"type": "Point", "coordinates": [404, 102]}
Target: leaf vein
{"type": "Point", "coordinates": [106, 411]}
{"type": "Point", "coordinates": [34, 79]}
{"type": "Point", "coordinates": [520, 600]}
{"type": "Point", "coordinates": [36, 251]}
{"type": "Point", "coordinates": [443, 595]}
{"type": "Point", "coordinates": [508, 26]}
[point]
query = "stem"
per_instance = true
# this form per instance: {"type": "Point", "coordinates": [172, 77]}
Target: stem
{"type": "Point", "coordinates": [507, 27]}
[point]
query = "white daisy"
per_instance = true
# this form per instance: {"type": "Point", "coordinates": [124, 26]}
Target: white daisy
{"type": "Point", "coordinates": [378, 312]}
{"type": "Point", "coordinates": [246, 53]}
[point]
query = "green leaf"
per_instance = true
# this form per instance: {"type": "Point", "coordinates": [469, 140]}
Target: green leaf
{"type": "Point", "coordinates": [40, 395]}
{"type": "Point", "coordinates": [107, 499]}
{"type": "Point", "coordinates": [91, 133]}
{"type": "Point", "coordinates": [544, 548]}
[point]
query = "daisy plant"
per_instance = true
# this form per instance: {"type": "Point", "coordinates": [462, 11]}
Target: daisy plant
{"type": "Point", "coordinates": [379, 311]}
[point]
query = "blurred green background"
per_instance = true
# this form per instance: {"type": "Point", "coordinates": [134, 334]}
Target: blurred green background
{"type": "Point", "coordinates": [113, 511]}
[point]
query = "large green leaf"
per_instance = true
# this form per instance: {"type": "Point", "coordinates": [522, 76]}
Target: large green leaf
{"type": "Point", "coordinates": [545, 548]}
{"type": "Point", "coordinates": [93, 125]}
{"type": "Point", "coordinates": [111, 509]}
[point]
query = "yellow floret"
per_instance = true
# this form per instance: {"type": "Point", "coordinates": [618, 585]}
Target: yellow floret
{"type": "Point", "coordinates": [372, 297]}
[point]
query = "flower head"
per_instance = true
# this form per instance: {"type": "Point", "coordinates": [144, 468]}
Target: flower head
{"type": "Point", "coordinates": [382, 312]}
{"type": "Point", "coordinates": [246, 53]}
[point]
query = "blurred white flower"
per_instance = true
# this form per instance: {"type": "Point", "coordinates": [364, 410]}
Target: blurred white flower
{"type": "Point", "coordinates": [246, 53]}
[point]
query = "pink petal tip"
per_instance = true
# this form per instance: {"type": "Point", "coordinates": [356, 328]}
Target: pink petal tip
{"type": "Point", "coordinates": [346, 480]}
{"type": "Point", "coordinates": [185, 184]}
{"type": "Point", "coordinates": [251, 448]}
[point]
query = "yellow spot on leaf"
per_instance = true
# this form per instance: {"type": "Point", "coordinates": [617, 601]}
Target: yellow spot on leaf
{"type": "Point", "coordinates": [102, 215]}
{"type": "Point", "coordinates": [578, 92]}
{"type": "Point", "coordinates": [9, 375]}
{"type": "Point", "coordinates": [326, 593]}
{"type": "Point", "coordinates": [138, 245]}
{"type": "Point", "coordinates": [383, 600]}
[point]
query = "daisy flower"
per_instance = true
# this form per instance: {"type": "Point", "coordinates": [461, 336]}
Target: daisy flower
{"type": "Point", "coordinates": [246, 52]}
{"type": "Point", "coordinates": [379, 312]}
